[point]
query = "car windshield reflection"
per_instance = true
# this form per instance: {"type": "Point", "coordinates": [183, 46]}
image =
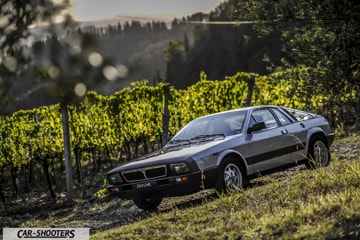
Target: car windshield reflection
{"type": "Point", "coordinates": [210, 128]}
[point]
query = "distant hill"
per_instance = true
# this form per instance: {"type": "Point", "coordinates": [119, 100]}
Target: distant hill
{"type": "Point", "coordinates": [137, 45]}
{"type": "Point", "coordinates": [174, 52]}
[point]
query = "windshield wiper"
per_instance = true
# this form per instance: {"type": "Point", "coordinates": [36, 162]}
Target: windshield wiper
{"type": "Point", "coordinates": [178, 142]}
{"type": "Point", "coordinates": [207, 137]}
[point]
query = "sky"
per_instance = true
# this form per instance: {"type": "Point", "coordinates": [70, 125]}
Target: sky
{"type": "Point", "coordinates": [91, 10]}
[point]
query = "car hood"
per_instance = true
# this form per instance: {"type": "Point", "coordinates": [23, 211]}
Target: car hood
{"type": "Point", "coordinates": [179, 153]}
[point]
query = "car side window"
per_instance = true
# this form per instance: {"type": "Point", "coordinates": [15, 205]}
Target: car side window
{"type": "Point", "coordinates": [284, 120]}
{"type": "Point", "coordinates": [264, 115]}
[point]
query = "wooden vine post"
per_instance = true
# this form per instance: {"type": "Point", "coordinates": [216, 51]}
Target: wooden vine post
{"type": "Point", "coordinates": [165, 118]}
{"type": "Point", "coordinates": [251, 84]}
{"type": "Point", "coordinates": [67, 152]}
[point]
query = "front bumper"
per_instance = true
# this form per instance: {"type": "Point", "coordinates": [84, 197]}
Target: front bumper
{"type": "Point", "coordinates": [160, 188]}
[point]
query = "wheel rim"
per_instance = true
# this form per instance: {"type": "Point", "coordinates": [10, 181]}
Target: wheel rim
{"type": "Point", "coordinates": [232, 177]}
{"type": "Point", "coordinates": [321, 155]}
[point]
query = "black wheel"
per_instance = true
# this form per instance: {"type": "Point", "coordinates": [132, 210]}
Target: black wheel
{"type": "Point", "coordinates": [230, 176]}
{"type": "Point", "coordinates": [318, 153]}
{"type": "Point", "coordinates": [147, 203]}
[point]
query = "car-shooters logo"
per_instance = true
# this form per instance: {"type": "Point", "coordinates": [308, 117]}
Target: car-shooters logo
{"type": "Point", "coordinates": [46, 233]}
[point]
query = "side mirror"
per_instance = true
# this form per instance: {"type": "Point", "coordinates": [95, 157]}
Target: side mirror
{"type": "Point", "coordinates": [256, 127]}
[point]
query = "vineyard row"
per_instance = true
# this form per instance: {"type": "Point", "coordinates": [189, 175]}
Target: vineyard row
{"type": "Point", "coordinates": [134, 117]}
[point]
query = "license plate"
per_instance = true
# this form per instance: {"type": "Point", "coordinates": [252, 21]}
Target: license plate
{"type": "Point", "coordinates": [143, 185]}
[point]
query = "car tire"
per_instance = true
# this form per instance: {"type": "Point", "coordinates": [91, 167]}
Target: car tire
{"type": "Point", "coordinates": [318, 153]}
{"type": "Point", "coordinates": [231, 177]}
{"type": "Point", "coordinates": [147, 203]}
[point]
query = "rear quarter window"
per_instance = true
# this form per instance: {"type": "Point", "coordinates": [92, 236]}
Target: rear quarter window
{"type": "Point", "coordinates": [300, 115]}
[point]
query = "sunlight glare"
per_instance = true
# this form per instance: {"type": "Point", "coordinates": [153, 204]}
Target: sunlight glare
{"type": "Point", "coordinates": [95, 59]}
{"type": "Point", "coordinates": [110, 73]}
{"type": "Point", "coordinates": [123, 71]}
{"type": "Point", "coordinates": [53, 72]}
{"type": "Point", "coordinates": [80, 89]}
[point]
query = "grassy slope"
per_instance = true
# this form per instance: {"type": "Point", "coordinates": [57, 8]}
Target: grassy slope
{"type": "Point", "coordinates": [319, 204]}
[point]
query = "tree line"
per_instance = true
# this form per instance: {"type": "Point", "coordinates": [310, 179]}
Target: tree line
{"type": "Point", "coordinates": [322, 36]}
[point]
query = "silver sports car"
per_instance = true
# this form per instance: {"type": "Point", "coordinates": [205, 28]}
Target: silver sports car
{"type": "Point", "coordinates": [223, 151]}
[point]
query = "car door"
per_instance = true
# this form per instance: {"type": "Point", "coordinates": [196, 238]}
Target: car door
{"type": "Point", "coordinates": [296, 132]}
{"type": "Point", "coordinates": [267, 148]}
{"type": "Point", "coordinates": [276, 145]}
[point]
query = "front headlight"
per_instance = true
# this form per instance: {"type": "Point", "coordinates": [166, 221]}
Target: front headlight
{"type": "Point", "coordinates": [115, 179]}
{"type": "Point", "coordinates": [179, 168]}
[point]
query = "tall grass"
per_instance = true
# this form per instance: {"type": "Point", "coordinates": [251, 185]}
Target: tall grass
{"type": "Point", "coordinates": [313, 204]}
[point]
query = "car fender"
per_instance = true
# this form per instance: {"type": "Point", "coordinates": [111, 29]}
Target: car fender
{"type": "Point", "coordinates": [227, 152]}
{"type": "Point", "coordinates": [311, 132]}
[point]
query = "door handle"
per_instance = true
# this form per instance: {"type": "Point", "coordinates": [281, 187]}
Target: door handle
{"type": "Point", "coordinates": [283, 132]}
{"type": "Point", "coordinates": [302, 125]}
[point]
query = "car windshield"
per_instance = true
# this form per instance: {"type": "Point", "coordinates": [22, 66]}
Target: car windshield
{"type": "Point", "coordinates": [211, 127]}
